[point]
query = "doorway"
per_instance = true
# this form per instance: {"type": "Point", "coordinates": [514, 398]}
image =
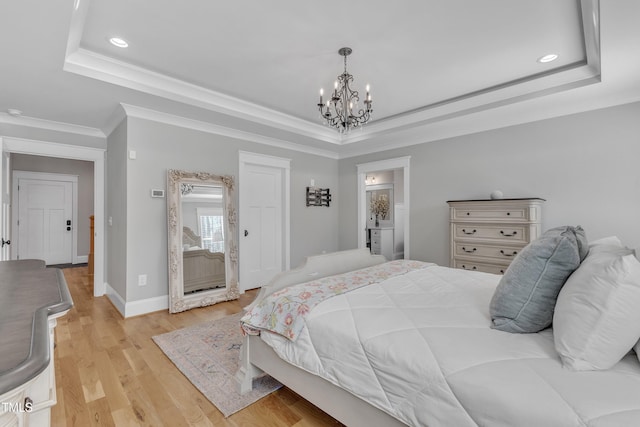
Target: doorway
{"type": "Point", "coordinates": [401, 212]}
{"type": "Point", "coordinates": [264, 218]}
{"type": "Point", "coordinates": [45, 217]}
{"type": "Point", "coordinates": [95, 155]}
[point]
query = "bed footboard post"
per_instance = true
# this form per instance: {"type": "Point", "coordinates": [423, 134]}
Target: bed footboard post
{"type": "Point", "coordinates": [246, 371]}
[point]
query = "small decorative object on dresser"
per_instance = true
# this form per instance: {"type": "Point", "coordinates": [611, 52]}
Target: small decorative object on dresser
{"type": "Point", "coordinates": [487, 234]}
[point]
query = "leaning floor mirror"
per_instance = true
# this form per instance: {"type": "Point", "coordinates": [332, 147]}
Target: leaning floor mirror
{"type": "Point", "coordinates": [203, 255]}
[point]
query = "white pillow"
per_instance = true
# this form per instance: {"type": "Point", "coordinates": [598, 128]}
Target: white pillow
{"type": "Point", "coordinates": [637, 349]}
{"type": "Point", "coordinates": [611, 241]}
{"type": "Point", "coordinates": [597, 320]}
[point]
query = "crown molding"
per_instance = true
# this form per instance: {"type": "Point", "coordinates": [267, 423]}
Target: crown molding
{"type": "Point", "coordinates": [101, 67]}
{"type": "Point", "coordinates": [166, 118]}
{"type": "Point", "coordinates": [32, 122]}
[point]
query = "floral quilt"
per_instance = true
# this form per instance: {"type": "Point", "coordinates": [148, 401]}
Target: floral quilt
{"type": "Point", "coordinates": [283, 312]}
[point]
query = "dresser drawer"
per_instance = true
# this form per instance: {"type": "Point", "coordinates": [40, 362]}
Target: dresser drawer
{"type": "Point", "coordinates": [480, 213]}
{"type": "Point", "coordinates": [478, 266]}
{"type": "Point", "coordinates": [506, 233]}
{"type": "Point", "coordinates": [496, 252]}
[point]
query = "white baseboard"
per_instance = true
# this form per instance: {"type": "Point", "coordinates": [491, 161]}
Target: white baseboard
{"type": "Point", "coordinates": [115, 298]}
{"type": "Point", "coordinates": [136, 308]}
{"type": "Point", "coordinates": [81, 259]}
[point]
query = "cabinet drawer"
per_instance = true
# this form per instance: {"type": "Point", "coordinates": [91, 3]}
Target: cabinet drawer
{"type": "Point", "coordinates": [375, 232]}
{"type": "Point", "coordinates": [477, 266]}
{"type": "Point", "coordinates": [507, 233]}
{"type": "Point", "coordinates": [497, 252]}
{"type": "Point", "coordinates": [480, 213]}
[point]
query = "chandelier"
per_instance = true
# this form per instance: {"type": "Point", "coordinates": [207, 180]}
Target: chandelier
{"type": "Point", "coordinates": [343, 111]}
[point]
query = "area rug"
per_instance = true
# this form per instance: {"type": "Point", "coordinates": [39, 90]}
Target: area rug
{"type": "Point", "coordinates": [207, 354]}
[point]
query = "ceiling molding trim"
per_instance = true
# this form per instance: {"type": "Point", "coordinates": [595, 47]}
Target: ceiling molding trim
{"type": "Point", "coordinates": [90, 64]}
{"type": "Point", "coordinates": [101, 67]}
{"type": "Point", "coordinates": [76, 28]}
{"type": "Point", "coordinates": [51, 149]}
{"type": "Point", "coordinates": [568, 78]}
{"type": "Point", "coordinates": [554, 81]}
{"type": "Point", "coordinates": [119, 114]}
{"type": "Point", "coordinates": [32, 122]}
{"type": "Point", "coordinates": [171, 119]}
{"type": "Point", "coordinates": [423, 134]}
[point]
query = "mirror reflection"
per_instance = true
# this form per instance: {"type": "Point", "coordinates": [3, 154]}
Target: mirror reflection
{"type": "Point", "coordinates": [202, 237]}
{"type": "Point", "coordinates": [203, 258]}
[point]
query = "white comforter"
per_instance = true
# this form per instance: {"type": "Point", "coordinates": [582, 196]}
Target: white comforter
{"type": "Point", "coordinates": [419, 347]}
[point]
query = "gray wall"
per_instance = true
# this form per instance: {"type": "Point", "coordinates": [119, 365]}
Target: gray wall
{"type": "Point", "coordinates": [84, 171]}
{"type": "Point", "coordinates": [585, 166]}
{"type": "Point", "coordinates": [160, 147]}
{"type": "Point", "coordinates": [116, 209]}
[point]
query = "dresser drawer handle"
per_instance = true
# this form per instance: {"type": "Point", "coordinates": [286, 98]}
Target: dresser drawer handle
{"type": "Point", "coordinates": [501, 271]}
{"type": "Point", "coordinates": [507, 235]}
{"type": "Point", "coordinates": [464, 267]}
{"type": "Point", "coordinates": [469, 232]}
{"type": "Point", "coordinates": [467, 251]}
{"type": "Point", "coordinates": [505, 254]}
{"type": "Point", "coordinates": [508, 213]}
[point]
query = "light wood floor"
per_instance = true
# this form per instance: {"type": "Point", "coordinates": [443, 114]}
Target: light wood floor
{"type": "Point", "coordinates": [110, 373]}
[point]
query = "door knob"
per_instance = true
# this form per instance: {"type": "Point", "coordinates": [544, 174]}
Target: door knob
{"type": "Point", "coordinates": [5, 242]}
{"type": "Point", "coordinates": [246, 233]}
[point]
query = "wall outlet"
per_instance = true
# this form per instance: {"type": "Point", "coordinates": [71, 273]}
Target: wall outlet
{"type": "Point", "coordinates": [142, 280]}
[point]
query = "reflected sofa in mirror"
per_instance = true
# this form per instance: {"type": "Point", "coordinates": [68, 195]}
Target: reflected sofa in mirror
{"type": "Point", "coordinates": [203, 255]}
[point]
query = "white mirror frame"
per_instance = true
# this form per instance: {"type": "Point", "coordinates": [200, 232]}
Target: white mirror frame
{"type": "Point", "coordinates": [178, 301]}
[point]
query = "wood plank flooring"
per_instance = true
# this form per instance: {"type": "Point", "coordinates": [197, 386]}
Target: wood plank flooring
{"type": "Point", "coordinates": [109, 372]}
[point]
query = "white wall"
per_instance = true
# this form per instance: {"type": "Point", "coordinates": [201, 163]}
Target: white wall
{"type": "Point", "coordinates": [585, 166]}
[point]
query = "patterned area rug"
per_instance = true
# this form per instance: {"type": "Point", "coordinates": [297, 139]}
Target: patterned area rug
{"type": "Point", "coordinates": [207, 354]}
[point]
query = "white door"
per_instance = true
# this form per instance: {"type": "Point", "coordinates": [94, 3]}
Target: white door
{"type": "Point", "coordinates": [45, 220]}
{"type": "Point", "coordinates": [263, 224]}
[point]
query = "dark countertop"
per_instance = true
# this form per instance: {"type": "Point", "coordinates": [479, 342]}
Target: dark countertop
{"type": "Point", "coordinates": [29, 294]}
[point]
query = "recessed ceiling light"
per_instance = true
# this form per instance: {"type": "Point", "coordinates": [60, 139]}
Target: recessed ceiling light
{"type": "Point", "coordinates": [548, 58]}
{"type": "Point", "coordinates": [118, 42]}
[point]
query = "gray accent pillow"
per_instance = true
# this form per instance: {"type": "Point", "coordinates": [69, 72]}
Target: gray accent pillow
{"type": "Point", "coordinates": [526, 295]}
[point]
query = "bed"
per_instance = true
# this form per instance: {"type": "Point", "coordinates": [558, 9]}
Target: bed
{"type": "Point", "coordinates": [202, 269]}
{"type": "Point", "coordinates": [416, 349]}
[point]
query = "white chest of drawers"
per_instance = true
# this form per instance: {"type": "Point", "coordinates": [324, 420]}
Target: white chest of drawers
{"type": "Point", "coordinates": [382, 242]}
{"type": "Point", "coordinates": [487, 234]}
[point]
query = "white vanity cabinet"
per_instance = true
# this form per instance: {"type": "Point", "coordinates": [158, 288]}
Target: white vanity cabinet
{"type": "Point", "coordinates": [30, 403]}
{"type": "Point", "coordinates": [27, 380]}
{"type": "Point", "coordinates": [487, 234]}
